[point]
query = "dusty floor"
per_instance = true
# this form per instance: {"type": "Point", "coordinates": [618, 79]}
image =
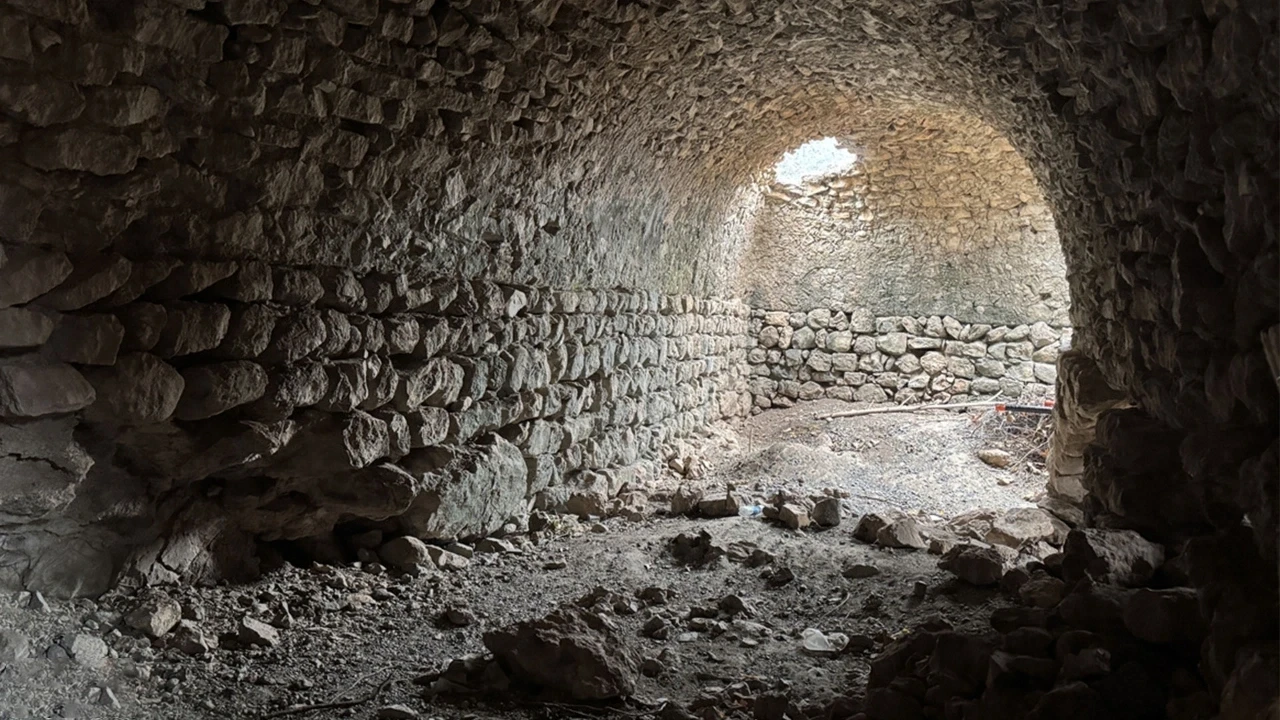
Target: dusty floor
{"type": "Point", "coordinates": [353, 634]}
{"type": "Point", "coordinates": [924, 461]}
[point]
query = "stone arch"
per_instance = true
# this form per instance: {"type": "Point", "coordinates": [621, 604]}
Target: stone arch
{"type": "Point", "coordinates": [941, 216]}
{"type": "Point", "coordinates": [509, 228]}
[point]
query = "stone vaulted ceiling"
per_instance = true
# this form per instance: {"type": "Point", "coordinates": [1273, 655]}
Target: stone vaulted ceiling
{"type": "Point", "coordinates": [269, 266]}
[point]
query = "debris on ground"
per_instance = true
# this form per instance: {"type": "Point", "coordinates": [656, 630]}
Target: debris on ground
{"type": "Point", "coordinates": [706, 610]}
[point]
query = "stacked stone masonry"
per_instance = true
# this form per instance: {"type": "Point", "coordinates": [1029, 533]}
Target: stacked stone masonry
{"type": "Point", "coordinates": [295, 399]}
{"type": "Point", "coordinates": [855, 356]}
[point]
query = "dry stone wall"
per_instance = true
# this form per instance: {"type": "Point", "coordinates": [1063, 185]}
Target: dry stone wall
{"type": "Point", "coordinates": [857, 356]}
{"type": "Point", "coordinates": [939, 216]}
{"type": "Point", "coordinates": [278, 402]}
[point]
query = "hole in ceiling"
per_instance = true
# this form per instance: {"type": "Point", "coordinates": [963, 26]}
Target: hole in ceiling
{"type": "Point", "coordinates": [814, 160]}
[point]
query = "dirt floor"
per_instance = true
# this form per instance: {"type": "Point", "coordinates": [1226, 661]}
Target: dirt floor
{"type": "Point", "coordinates": [359, 636]}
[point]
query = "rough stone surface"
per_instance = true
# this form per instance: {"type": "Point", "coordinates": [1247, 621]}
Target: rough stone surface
{"type": "Point", "coordinates": [23, 328]}
{"type": "Point", "coordinates": [32, 388]}
{"type": "Point", "coordinates": [565, 193]}
{"type": "Point", "coordinates": [1122, 557]}
{"type": "Point", "coordinates": [139, 389]}
{"type": "Point", "coordinates": [209, 390]}
{"type": "Point", "coordinates": [898, 358]}
{"type": "Point", "coordinates": [570, 653]}
{"type": "Point", "coordinates": [973, 564]}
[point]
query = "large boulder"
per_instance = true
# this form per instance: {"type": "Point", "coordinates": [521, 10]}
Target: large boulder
{"type": "Point", "coordinates": [571, 653]}
{"type": "Point", "coordinates": [974, 564]}
{"type": "Point", "coordinates": [1120, 557]}
{"type": "Point", "coordinates": [469, 491]}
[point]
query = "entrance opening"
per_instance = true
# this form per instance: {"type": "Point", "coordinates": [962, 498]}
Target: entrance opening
{"type": "Point", "coordinates": [922, 269]}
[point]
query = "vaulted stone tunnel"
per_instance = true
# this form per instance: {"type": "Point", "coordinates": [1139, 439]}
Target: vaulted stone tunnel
{"type": "Point", "coordinates": [270, 266]}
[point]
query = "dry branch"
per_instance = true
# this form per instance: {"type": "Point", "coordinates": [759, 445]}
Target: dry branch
{"type": "Point", "coordinates": [331, 705]}
{"type": "Point", "coordinates": [907, 408]}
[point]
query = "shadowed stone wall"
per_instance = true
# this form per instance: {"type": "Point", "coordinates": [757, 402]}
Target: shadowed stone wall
{"type": "Point", "coordinates": [259, 278]}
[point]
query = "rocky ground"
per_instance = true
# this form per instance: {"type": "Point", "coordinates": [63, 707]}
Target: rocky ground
{"type": "Point", "coordinates": [680, 614]}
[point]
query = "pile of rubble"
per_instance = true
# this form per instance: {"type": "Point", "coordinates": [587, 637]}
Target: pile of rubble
{"type": "Point", "coordinates": [1106, 628]}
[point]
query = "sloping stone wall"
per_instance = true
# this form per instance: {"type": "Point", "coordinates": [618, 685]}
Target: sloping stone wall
{"type": "Point", "coordinates": [855, 355]}
{"type": "Point", "coordinates": [939, 216]}
{"type": "Point", "coordinates": [276, 403]}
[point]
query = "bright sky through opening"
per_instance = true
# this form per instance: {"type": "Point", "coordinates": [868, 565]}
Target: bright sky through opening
{"type": "Point", "coordinates": [815, 159]}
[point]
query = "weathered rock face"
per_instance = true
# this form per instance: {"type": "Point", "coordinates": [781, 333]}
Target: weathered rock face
{"type": "Point", "coordinates": [570, 653]}
{"type": "Point", "coordinates": [522, 215]}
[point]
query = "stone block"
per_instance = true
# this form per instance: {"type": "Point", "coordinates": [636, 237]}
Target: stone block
{"type": "Point", "coordinates": [84, 149]}
{"type": "Point", "coordinates": [143, 324]}
{"type": "Point", "coordinates": [295, 336]}
{"type": "Point", "coordinates": [86, 339]}
{"type": "Point", "coordinates": [15, 38]}
{"type": "Point", "coordinates": [44, 102]}
{"type": "Point", "coordinates": [139, 389]}
{"type": "Point", "coordinates": [23, 328]}
{"type": "Point", "coordinates": [252, 282]}
{"type": "Point", "coordinates": [91, 280]}
{"type": "Point", "coordinates": [985, 386]}
{"type": "Point", "coordinates": [125, 106]}
{"type": "Point", "coordinates": [192, 327]}
{"type": "Point", "coordinates": [144, 275]}
{"type": "Point", "coordinates": [427, 426]}
{"type": "Point", "coordinates": [189, 278]}
{"type": "Point", "coordinates": [870, 393]}
{"type": "Point", "coordinates": [840, 341]}
{"type": "Point", "coordinates": [183, 33]}
{"type": "Point", "coordinates": [348, 386]}
{"type": "Point", "coordinates": [31, 387]}
{"type": "Point", "coordinates": [1045, 373]}
{"type": "Point", "coordinates": [253, 12]}
{"type": "Point", "coordinates": [961, 367]}
{"type": "Point", "coordinates": [28, 273]}
{"type": "Point", "coordinates": [249, 332]}
{"type": "Point", "coordinates": [862, 320]}
{"type": "Point", "coordinates": [989, 368]}
{"type": "Point", "coordinates": [804, 339]}
{"type": "Point", "coordinates": [71, 12]}
{"type": "Point", "coordinates": [893, 344]}
{"type": "Point", "coordinates": [213, 389]}
{"type": "Point", "coordinates": [352, 105]}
